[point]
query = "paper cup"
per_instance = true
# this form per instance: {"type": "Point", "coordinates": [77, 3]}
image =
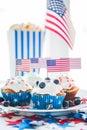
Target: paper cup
{"type": "Point", "coordinates": [16, 99]}
{"type": "Point", "coordinates": [45, 101]}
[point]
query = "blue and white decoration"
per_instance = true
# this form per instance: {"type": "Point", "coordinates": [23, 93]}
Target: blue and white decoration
{"type": "Point", "coordinates": [19, 99]}
{"type": "Point", "coordinates": [47, 101]}
{"type": "Point", "coordinates": [24, 44]}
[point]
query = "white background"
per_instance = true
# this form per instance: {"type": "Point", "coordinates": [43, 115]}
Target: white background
{"type": "Point", "coordinates": [24, 11]}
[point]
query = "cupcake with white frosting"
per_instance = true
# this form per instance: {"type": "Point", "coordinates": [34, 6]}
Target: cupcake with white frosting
{"type": "Point", "coordinates": [17, 91]}
{"type": "Point", "coordinates": [48, 94]}
{"type": "Point", "coordinates": [69, 87]}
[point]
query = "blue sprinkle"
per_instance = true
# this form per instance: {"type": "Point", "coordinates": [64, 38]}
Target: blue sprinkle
{"type": "Point", "coordinates": [65, 125]}
{"type": "Point", "coordinates": [78, 115]}
{"type": "Point", "coordinates": [24, 125]}
{"type": "Point", "coordinates": [27, 120]}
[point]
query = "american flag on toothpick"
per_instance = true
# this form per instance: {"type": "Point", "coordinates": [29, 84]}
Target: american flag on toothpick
{"type": "Point", "coordinates": [58, 65]}
{"type": "Point", "coordinates": [75, 63]}
{"type": "Point", "coordinates": [58, 21]}
{"type": "Point", "coordinates": [37, 63]}
{"type": "Point", "coordinates": [23, 65]}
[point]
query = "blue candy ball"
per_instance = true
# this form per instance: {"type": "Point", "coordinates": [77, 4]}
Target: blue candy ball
{"type": "Point", "coordinates": [42, 85]}
{"type": "Point", "coordinates": [56, 81]}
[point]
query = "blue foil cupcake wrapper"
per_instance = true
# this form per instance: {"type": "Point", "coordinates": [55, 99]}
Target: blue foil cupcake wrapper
{"type": "Point", "coordinates": [44, 101]}
{"type": "Point", "coordinates": [16, 98]}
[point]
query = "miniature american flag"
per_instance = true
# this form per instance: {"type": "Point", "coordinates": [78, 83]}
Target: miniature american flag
{"type": "Point", "coordinates": [75, 63]}
{"type": "Point", "coordinates": [58, 21]}
{"type": "Point", "coordinates": [23, 65]}
{"type": "Point", "coordinates": [58, 65]}
{"type": "Point", "coordinates": [38, 63]}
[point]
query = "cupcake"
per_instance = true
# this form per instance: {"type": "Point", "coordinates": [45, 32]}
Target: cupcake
{"type": "Point", "coordinates": [68, 86]}
{"type": "Point", "coordinates": [17, 91]}
{"type": "Point", "coordinates": [48, 95]}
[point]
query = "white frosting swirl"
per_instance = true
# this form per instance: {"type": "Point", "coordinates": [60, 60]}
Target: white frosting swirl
{"type": "Point", "coordinates": [50, 88]}
{"type": "Point", "coordinates": [66, 82]}
{"type": "Point", "coordinates": [32, 78]}
{"type": "Point", "coordinates": [16, 84]}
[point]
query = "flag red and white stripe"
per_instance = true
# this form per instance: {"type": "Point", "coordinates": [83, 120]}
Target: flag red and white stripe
{"type": "Point", "coordinates": [75, 63]}
{"type": "Point", "coordinates": [58, 65]}
{"type": "Point", "coordinates": [58, 21]}
{"type": "Point", "coordinates": [23, 65]}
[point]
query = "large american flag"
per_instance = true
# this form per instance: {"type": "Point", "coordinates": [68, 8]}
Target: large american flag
{"type": "Point", "coordinates": [58, 21]}
{"type": "Point", "coordinates": [58, 65]}
{"type": "Point", "coordinates": [37, 63]}
{"type": "Point", "coordinates": [75, 63]}
{"type": "Point", "coordinates": [23, 65]}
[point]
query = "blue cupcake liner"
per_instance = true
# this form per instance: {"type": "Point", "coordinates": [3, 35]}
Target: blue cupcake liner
{"type": "Point", "coordinates": [17, 99]}
{"type": "Point", "coordinates": [47, 101]}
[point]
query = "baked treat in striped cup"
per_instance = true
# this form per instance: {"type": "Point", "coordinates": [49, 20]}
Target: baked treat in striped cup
{"type": "Point", "coordinates": [17, 91]}
{"type": "Point", "coordinates": [69, 87]}
{"type": "Point", "coordinates": [48, 94]}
